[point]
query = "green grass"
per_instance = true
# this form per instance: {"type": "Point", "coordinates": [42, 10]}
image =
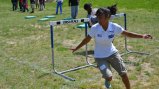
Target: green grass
{"type": "Point", "coordinates": [25, 51]}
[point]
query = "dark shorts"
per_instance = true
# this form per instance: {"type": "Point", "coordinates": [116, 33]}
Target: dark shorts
{"type": "Point", "coordinates": [115, 61]}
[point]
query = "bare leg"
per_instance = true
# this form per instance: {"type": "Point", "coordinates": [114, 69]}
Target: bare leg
{"type": "Point", "coordinates": [107, 82]}
{"type": "Point", "coordinates": [109, 78]}
{"type": "Point", "coordinates": [125, 80]}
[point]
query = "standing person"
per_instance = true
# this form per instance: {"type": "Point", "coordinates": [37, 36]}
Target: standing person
{"type": "Point", "coordinates": [25, 5]}
{"type": "Point", "coordinates": [21, 5]}
{"type": "Point", "coordinates": [44, 3]}
{"type": "Point", "coordinates": [74, 8]}
{"type": "Point", "coordinates": [92, 11]}
{"type": "Point", "coordinates": [32, 2]}
{"type": "Point", "coordinates": [41, 2]}
{"type": "Point", "coordinates": [14, 4]}
{"type": "Point", "coordinates": [37, 3]}
{"type": "Point", "coordinates": [59, 4]}
{"type": "Point", "coordinates": [105, 53]}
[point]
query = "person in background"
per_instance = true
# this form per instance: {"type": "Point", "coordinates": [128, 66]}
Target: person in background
{"type": "Point", "coordinates": [59, 4]}
{"type": "Point", "coordinates": [41, 2]}
{"type": "Point", "coordinates": [21, 5]}
{"type": "Point", "coordinates": [91, 12]}
{"type": "Point", "coordinates": [25, 5]}
{"type": "Point", "coordinates": [32, 2]}
{"type": "Point", "coordinates": [105, 53]}
{"type": "Point", "coordinates": [14, 4]}
{"type": "Point", "coordinates": [44, 3]}
{"type": "Point", "coordinates": [74, 8]}
{"type": "Point", "coordinates": [37, 3]}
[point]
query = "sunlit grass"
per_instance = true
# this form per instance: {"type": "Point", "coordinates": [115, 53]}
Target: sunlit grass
{"type": "Point", "coordinates": [25, 50]}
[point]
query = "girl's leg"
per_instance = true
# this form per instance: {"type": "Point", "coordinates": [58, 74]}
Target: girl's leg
{"type": "Point", "coordinates": [105, 69]}
{"type": "Point", "coordinates": [125, 80]}
{"type": "Point", "coordinates": [117, 63]}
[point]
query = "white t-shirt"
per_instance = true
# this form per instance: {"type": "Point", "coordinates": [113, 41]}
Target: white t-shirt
{"type": "Point", "coordinates": [103, 39]}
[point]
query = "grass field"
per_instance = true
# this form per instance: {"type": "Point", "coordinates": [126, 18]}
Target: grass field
{"type": "Point", "coordinates": [25, 51]}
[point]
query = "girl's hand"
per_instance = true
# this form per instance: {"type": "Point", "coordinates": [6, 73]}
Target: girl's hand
{"type": "Point", "coordinates": [73, 49]}
{"type": "Point", "coordinates": [147, 36]}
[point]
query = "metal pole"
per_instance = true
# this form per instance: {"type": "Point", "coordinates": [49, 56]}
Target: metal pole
{"type": "Point", "coordinates": [61, 73]}
{"type": "Point", "coordinates": [86, 44]}
{"type": "Point", "coordinates": [52, 46]}
{"type": "Point", "coordinates": [125, 27]}
{"type": "Point", "coordinates": [126, 48]}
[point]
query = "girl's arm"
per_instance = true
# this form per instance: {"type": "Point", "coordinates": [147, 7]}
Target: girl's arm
{"type": "Point", "coordinates": [135, 35]}
{"type": "Point", "coordinates": [84, 41]}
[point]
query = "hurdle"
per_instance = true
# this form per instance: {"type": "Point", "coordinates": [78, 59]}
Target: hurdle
{"type": "Point", "coordinates": [125, 38]}
{"type": "Point", "coordinates": [88, 63]}
{"type": "Point", "coordinates": [60, 22]}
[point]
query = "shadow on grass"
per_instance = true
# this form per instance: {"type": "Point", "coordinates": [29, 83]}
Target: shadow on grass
{"type": "Point", "coordinates": [43, 75]}
{"type": "Point", "coordinates": [83, 53]}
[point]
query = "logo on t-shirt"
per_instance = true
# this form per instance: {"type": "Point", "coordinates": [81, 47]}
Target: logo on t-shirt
{"type": "Point", "coordinates": [110, 36]}
{"type": "Point", "coordinates": [99, 35]}
{"type": "Point", "coordinates": [111, 31]}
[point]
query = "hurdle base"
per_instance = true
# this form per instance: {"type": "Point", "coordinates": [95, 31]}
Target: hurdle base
{"type": "Point", "coordinates": [73, 69]}
{"type": "Point", "coordinates": [64, 76]}
{"type": "Point", "coordinates": [141, 53]}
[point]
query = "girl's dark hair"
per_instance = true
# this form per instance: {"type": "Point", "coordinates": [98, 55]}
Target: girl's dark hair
{"type": "Point", "coordinates": [108, 11]}
{"type": "Point", "coordinates": [113, 9]}
{"type": "Point", "coordinates": [87, 5]}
